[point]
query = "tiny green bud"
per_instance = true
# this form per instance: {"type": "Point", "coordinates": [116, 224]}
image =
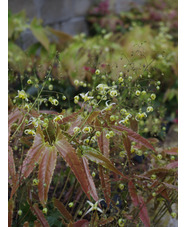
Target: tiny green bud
{"type": "Point", "coordinates": [173, 214]}
{"type": "Point", "coordinates": [121, 186]}
{"type": "Point", "coordinates": [112, 118]}
{"type": "Point", "coordinates": [45, 210]}
{"type": "Point", "coordinates": [19, 212]}
{"type": "Point", "coordinates": [71, 204]}
{"type": "Point", "coordinates": [98, 133]}
{"type": "Point", "coordinates": [153, 176]}
{"type": "Point", "coordinates": [50, 87]}
{"type": "Point", "coordinates": [97, 72]}
{"type": "Point", "coordinates": [159, 156]}
{"type": "Point", "coordinates": [121, 222]}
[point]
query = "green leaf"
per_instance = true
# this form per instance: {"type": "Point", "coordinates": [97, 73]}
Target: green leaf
{"type": "Point", "coordinates": [40, 33]}
{"type": "Point", "coordinates": [46, 170]}
{"type": "Point", "coordinates": [97, 157]}
{"type": "Point", "coordinates": [59, 205]}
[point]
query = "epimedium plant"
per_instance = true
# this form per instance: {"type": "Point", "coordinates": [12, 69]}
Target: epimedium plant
{"type": "Point", "coordinates": [99, 151]}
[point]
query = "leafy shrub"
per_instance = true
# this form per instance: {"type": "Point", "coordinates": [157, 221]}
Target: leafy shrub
{"type": "Point", "coordinates": [98, 139]}
{"type": "Point", "coordinates": [80, 118]}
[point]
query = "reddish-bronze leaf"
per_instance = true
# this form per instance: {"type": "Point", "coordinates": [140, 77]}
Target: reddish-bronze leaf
{"type": "Point", "coordinates": [156, 170]}
{"type": "Point", "coordinates": [132, 135]}
{"type": "Point", "coordinates": [133, 193]}
{"type": "Point", "coordinates": [143, 214]}
{"type": "Point", "coordinates": [39, 214]}
{"type": "Point", "coordinates": [81, 223]}
{"type": "Point", "coordinates": [133, 124]}
{"type": "Point", "coordinates": [105, 184]}
{"type": "Point", "coordinates": [37, 224]}
{"type": "Point", "coordinates": [10, 211]}
{"type": "Point", "coordinates": [46, 170]}
{"type": "Point", "coordinates": [170, 186]}
{"type": "Point", "coordinates": [13, 116]}
{"type": "Point", "coordinates": [68, 153]}
{"type": "Point", "coordinates": [92, 117]}
{"type": "Point", "coordinates": [104, 221]}
{"type": "Point", "coordinates": [91, 184]}
{"type": "Point", "coordinates": [34, 154]}
{"type": "Point", "coordinates": [103, 144]}
{"type": "Point", "coordinates": [71, 117]}
{"type": "Point", "coordinates": [11, 167]}
{"type": "Point", "coordinates": [97, 157]}
{"type": "Point", "coordinates": [172, 151]}
{"type": "Point", "coordinates": [172, 165]}
{"type": "Point", "coordinates": [26, 224]}
{"type": "Point", "coordinates": [59, 205]}
{"type": "Point", "coordinates": [76, 123]}
{"type": "Point", "coordinates": [127, 145]}
{"type": "Point", "coordinates": [139, 202]}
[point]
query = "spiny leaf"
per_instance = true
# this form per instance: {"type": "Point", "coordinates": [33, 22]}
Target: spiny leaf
{"type": "Point", "coordinates": [59, 205]}
{"type": "Point", "coordinates": [26, 224]}
{"type": "Point", "coordinates": [127, 145]}
{"type": "Point", "coordinates": [71, 117]}
{"type": "Point", "coordinates": [143, 214]}
{"type": "Point", "coordinates": [133, 193]}
{"type": "Point", "coordinates": [91, 184]}
{"type": "Point", "coordinates": [92, 117]}
{"type": "Point", "coordinates": [40, 216]}
{"type": "Point", "coordinates": [97, 157]}
{"type": "Point", "coordinates": [34, 154]}
{"type": "Point", "coordinates": [46, 170]}
{"type": "Point", "coordinates": [172, 165]}
{"type": "Point", "coordinates": [103, 144]}
{"type": "Point", "coordinates": [66, 150]}
{"type": "Point", "coordinates": [156, 170]}
{"type": "Point", "coordinates": [104, 221]}
{"type": "Point", "coordinates": [10, 211]}
{"type": "Point", "coordinates": [76, 123]}
{"type": "Point", "coordinates": [132, 135]}
{"type": "Point", "coordinates": [81, 223]}
{"type": "Point", "coordinates": [13, 116]}
{"type": "Point", "coordinates": [40, 33]}
{"type": "Point", "coordinates": [105, 184]}
{"type": "Point", "coordinates": [37, 224]}
{"type": "Point", "coordinates": [172, 151]}
{"type": "Point", "coordinates": [139, 202]}
{"type": "Point", "coordinates": [133, 124]}
{"type": "Point", "coordinates": [11, 167]}
{"type": "Point", "coordinates": [170, 186]}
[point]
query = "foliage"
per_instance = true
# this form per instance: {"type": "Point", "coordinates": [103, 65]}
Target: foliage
{"type": "Point", "coordinates": [80, 117]}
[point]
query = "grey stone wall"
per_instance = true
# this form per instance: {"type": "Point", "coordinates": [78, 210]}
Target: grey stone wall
{"type": "Point", "coordinates": [65, 15]}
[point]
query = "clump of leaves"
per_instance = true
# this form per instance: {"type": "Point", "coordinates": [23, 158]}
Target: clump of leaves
{"type": "Point", "coordinates": [100, 136]}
